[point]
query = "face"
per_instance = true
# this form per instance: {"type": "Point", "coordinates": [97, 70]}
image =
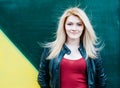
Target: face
{"type": "Point", "coordinates": [74, 27]}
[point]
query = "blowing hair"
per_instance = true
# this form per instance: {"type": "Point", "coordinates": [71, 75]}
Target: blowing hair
{"type": "Point", "coordinates": [89, 37]}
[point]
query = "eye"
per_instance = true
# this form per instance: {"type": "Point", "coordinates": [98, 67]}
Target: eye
{"type": "Point", "coordinates": [79, 24]}
{"type": "Point", "coordinates": [69, 23]}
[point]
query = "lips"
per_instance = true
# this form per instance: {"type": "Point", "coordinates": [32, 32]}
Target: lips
{"type": "Point", "coordinates": [74, 32]}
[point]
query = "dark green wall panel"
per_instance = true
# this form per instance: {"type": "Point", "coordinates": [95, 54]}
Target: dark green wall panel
{"type": "Point", "coordinates": [27, 22]}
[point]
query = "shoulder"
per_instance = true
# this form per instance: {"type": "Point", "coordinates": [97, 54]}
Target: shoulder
{"type": "Point", "coordinates": [45, 50]}
{"type": "Point", "coordinates": [98, 62]}
{"type": "Point", "coordinates": [45, 53]}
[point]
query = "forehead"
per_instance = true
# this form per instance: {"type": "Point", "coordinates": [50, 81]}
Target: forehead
{"type": "Point", "coordinates": [73, 18]}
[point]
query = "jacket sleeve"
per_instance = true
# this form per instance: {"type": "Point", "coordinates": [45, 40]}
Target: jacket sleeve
{"type": "Point", "coordinates": [100, 78]}
{"type": "Point", "coordinates": [43, 75]}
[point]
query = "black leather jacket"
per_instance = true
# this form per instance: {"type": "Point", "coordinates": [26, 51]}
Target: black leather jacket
{"type": "Point", "coordinates": [49, 71]}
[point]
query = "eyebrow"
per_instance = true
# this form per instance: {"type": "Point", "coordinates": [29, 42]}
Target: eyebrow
{"type": "Point", "coordinates": [76, 22]}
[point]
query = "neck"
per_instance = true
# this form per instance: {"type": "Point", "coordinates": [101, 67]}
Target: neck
{"type": "Point", "coordinates": [73, 44]}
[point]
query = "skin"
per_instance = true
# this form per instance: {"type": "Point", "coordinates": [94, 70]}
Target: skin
{"type": "Point", "coordinates": [74, 29]}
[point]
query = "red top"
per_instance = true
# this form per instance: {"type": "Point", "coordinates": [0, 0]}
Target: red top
{"type": "Point", "coordinates": [73, 73]}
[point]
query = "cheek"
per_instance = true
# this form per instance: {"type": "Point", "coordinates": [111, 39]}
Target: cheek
{"type": "Point", "coordinates": [67, 27]}
{"type": "Point", "coordinates": [81, 28]}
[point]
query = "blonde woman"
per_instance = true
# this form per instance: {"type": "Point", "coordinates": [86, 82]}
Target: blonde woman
{"type": "Point", "coordinates": [72, 60]}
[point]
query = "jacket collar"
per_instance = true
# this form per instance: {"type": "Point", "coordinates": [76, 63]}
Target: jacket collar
{"type": "Point", "coordinates": [81, 50]}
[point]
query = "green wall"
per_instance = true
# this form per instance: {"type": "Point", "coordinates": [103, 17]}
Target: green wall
{"type": "Point", "coordinates": [28, 22]}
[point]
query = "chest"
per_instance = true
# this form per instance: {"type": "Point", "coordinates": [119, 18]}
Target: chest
{"type": "Point", "coordinates": [73, 56]}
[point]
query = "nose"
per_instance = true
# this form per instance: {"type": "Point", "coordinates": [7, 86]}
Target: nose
{"type": "Point", "coordinates": [74, 27]}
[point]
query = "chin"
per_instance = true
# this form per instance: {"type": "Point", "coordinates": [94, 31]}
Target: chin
{"type": "Point", "coordinates": [74, 38]}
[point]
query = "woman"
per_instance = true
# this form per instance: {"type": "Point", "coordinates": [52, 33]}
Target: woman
{"type": "Point", "coordinates": [72, 60]}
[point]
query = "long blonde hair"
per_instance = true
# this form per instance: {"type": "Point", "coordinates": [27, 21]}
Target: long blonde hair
{"type": "Point", "coordinates": [89, 37]}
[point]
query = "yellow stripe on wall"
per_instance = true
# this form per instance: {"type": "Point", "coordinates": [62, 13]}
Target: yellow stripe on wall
{"type": "Point", "coordinates": [15, 70]}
